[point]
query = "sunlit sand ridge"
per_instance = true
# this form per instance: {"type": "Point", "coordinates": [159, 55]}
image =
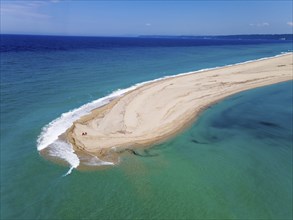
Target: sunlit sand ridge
{"type": "Point", "coordinates": [157, 110]}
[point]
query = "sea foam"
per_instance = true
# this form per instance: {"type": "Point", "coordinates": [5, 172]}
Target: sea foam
{"type": "Point", "coordinates": [49, 136]}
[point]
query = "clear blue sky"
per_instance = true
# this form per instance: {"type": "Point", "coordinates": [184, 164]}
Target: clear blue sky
{"type": "Point", "coordinates": [107, 18]}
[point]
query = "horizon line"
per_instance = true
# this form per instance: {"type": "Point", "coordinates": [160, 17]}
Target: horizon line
{"type": "Point", "coordinates": [141, 35]}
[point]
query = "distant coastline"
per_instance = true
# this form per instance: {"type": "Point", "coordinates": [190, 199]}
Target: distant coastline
{"type": "Point", "coordinates": [288, 36]}
{"type": "Point", "coordinates": [223, 37]}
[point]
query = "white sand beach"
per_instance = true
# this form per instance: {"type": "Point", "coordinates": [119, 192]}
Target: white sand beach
{"type": "Point", "coordinates": [155, 111]}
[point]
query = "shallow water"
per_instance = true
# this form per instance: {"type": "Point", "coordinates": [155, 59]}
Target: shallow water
{"type": "Point", "coordinates": [235, 161]}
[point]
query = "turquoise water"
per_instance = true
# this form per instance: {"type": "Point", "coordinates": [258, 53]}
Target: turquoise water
{"type": "Point", "coordinates": [234, 162]}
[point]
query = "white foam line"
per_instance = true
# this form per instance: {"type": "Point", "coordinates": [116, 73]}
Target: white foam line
{"type": "Point", "coordinates": [54, 129]}
{"type": "Point", "coordinates": [95, 161]}
{"type": "Point", "coordinates": [68, 172]}
{"type": "Point", "coordinates": [64, 151]}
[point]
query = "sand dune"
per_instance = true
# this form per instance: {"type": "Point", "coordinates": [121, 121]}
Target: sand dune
{"type": "Point", "coordinates": [155, 111]}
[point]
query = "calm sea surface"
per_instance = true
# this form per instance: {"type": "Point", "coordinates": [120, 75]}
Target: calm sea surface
{"type": "Point", "coordinates": [234, 162]}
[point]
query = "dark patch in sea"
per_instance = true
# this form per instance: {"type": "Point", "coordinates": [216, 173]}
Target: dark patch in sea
{"type": "Point", "coordinates": [214, 138]}
{"type": "Point", "coordinates": [269, 124]}
{"type": "Point", "coordinates": [145, 153]}
{"type": "Point", "coordinates": [198, 142]}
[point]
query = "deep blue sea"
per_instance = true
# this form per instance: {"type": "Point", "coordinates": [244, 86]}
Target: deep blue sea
{"type": "Point", "coordinates": [234, 162]}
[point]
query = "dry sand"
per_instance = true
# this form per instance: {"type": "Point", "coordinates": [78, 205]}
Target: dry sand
{"type": "Point", "coordinates": [155, 111]}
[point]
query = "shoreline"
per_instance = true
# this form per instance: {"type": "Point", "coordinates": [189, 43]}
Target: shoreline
{"type": "Point", "coordinates": [134, 129]}
{"type": "Point", "coordinates": [56, 128]}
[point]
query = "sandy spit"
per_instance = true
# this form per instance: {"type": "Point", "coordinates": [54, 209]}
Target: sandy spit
{"type": "Point", "coordinates": [157, 110]}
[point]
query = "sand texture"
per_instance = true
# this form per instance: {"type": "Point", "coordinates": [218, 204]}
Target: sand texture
{"type": "Point", "coordinates": [158, 110]}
